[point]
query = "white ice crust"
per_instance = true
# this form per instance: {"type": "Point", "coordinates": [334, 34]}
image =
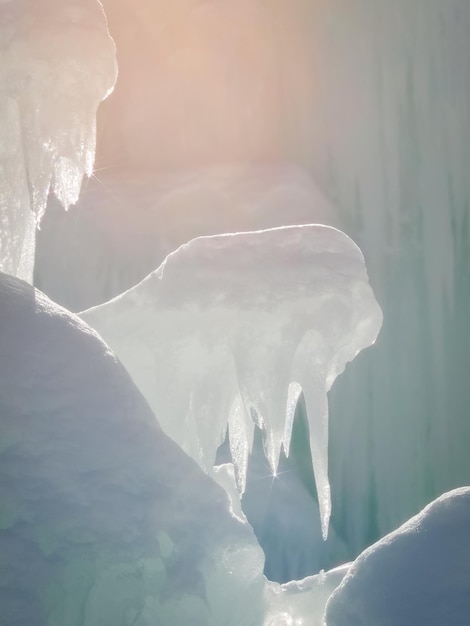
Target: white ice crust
{"type": "Point", "coordinates": [231, 328]}
{"type": "Point", "coordinates": [58, 63]}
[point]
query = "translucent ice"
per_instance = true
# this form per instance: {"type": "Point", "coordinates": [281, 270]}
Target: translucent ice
{"type": "Point", "coordinates": [231, 327]}
{"type": "Point", "coordinates": [127, 221]}
{"type": "Point", "coordinates": [58, 63]}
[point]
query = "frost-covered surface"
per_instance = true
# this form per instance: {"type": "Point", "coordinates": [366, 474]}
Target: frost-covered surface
{"type": "Point", "coordinates": [419, 574]}
{"type": "Point", "coordinates": [127, 221]}
{"type": "Point", "coordinates": [58, 63]}
{"type": "Point", "coordinates": [229, 330]}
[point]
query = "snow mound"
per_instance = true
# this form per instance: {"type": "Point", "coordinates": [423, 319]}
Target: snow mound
{"type": "Point", "coordinates": [418, 574]}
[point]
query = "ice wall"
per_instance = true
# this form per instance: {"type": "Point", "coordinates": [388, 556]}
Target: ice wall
{"type": "Point", "coordinates": [388, 141]}
{"type": "Point", "coordinates": [58, 63]}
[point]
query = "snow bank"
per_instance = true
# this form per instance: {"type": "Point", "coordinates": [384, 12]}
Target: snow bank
{"type": "Point", "coordinates": [418, 574]}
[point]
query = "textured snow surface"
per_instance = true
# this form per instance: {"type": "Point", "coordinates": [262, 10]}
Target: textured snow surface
{"type": "Point", "coordinates": [58, 63]}
{"type": "Point", "coordinates": [419, 574]}
{"type": "Point", "coordinates": [229, 330]}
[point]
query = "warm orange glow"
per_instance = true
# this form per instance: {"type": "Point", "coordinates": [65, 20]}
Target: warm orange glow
{"type": "Point", "coordinates": [208, 82]}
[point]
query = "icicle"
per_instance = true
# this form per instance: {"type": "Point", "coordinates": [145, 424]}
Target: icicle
{"type": "Point", "coordinates": [51, 83]}
{"type": "Point", "coordinates": [241, 432]}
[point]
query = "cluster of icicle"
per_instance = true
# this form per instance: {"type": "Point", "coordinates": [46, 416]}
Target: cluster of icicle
{"type": "Point", "coordinates": [58, 63]}
{"type": "Point", "coordinates": [231, 329]}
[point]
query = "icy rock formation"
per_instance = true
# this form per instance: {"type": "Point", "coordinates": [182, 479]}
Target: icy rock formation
{"type": "Point", "coordinates": [230, 329]}
{"type": "Point", "coordinates": [418, 574]}
{"type": "Point", "coordinates": [103, 519]}
{"type": "Point", "coordinates": [58, 63]}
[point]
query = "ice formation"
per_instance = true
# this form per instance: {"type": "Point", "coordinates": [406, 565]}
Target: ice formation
{"type": "Point", "coordinates": [103, 519]}
{"type": "Point", "coordinates": [418, 574]}
{"type": "Point", "coordinates": [58, 63]}
{"type": "Point", "coordinates": [230, 329]}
